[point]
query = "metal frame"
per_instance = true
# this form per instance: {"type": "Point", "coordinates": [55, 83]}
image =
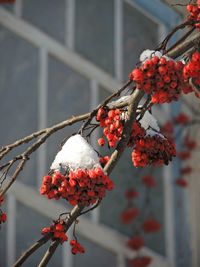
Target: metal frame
{"type": "Point", "coordinates": [91, 229]}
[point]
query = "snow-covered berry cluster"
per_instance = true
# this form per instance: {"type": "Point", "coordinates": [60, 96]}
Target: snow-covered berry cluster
{"type": "Point", "coordinates": [194, 10]}
{"type": "Point", "coordinates": [78, 187]}
{"type": "Point", "coordinates": [111, 121]}
{"type": "Point", "coordinates": [83, 181]}
{"type": "Point", "coordinates": [153, 150]}
{"type": "Point", "coordinates": [161, 77]}
{"type": "Point", "coordinates": [57, 229]}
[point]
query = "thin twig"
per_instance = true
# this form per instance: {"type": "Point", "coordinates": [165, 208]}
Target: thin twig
{"type": "Point", "coordinates": [92, 208]}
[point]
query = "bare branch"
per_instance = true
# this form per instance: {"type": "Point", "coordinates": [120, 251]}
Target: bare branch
{"type": "Point", "coordinates": [32, 249]}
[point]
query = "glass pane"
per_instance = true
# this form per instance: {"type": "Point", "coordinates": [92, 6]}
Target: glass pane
{"type": "Point", "coordinates": [94, 256]}
{"type": "Point", "coordinates": [18, 92]}
{"type": "Point", "coordinates": [47, 16]}
{"type": "Point", "coordinates": [69, 94]}
{"type": "Point", "coordinates": [29, 224]}
{"type": "Point", "coordinates": [94, 32]}
{"type": "Point", "coordinates": [103, 94]}
{"type": "Point", "coordinates": [134, 41]}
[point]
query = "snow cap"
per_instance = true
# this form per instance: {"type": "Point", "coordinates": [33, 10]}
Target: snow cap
{"type": "Point", "coordinates": [149, 121]}
{"type": "Point", "coordinates": [147, 54]}
{"type": "Point", "coordinates": [153, 133]}
{"type": "Point", "coordinates": [76, 153]}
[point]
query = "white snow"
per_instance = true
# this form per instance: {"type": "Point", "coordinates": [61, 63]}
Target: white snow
{"type": "Point", "coordinates": [147, 54]}
{"type": "Point", "coordinates": [148, 120]}
{"type": "Point", "coordinates": [153, 133]}
{"type": "Point", "coordinates": [76, 153]}
{"type": "Point", "coordinates": [120, 100]}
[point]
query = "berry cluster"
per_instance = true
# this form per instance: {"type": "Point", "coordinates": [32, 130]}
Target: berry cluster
{"type": "Point", "coordinates": [76, 247]}
{"type": "Point", "coordinates": [192, 69]}
{"type": "Point", "coordinates": [181, 119]}
{"type": "Point", "coordinates": [104, 160]}
{"type": "Point", "coordinates": [137, 132]}
{"type": "Point", "coordinates": [128, 215]}
{"type": "Point", "coordinates": [185, 154]}
{"type": "Point", "coordinates": [3, 216]}
{"type": "Point", "coordinates": [161, 77]}
{"type": "Point", "coordinates": [149, 181]}
{"type": "Point", "coordinates": [78, 187]}
{"type": "Point", "coordinates": [136, 242]}
{"type": "Point", "coordinates": [112, 124]}
{"type": "Point", "coordinates": [151, 225]}
{"type": "Point", "coordinates": [57, 230]}
{"type": "Point", "coordinates": [154, 150]}
{"type": "Point", "coordinates": [181, 182]}
{"type": "Point", "coordinates": [131, 194]}
{"type": "Point", "coordinates": [185, 170]}
{"type": "Point", "coordinates": [189, 143]}
{"type": "Point", "coordinates": [194, 11]}
{"type": "Point", "coordinates": [140, 261]}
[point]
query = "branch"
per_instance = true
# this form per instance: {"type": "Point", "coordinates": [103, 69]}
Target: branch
{"type": "Point", "coordinates": [75, 213]}
{"type": "Point", "coordinates": [32, 249]}
{"type": "Point", "coordinates": [46, 134]}
{"type": "Point", "coordinates": [185, 46]}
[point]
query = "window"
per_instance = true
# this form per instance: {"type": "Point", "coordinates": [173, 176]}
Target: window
{"type": "Point", "coordinates": [64, 60]}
